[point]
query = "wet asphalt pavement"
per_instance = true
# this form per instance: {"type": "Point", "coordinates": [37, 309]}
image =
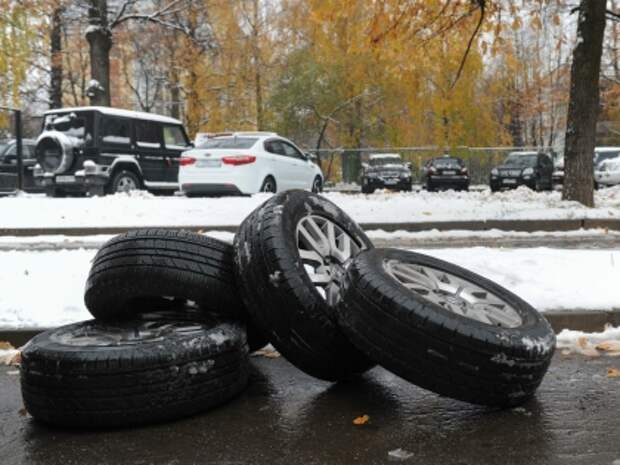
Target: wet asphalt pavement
{"type": "Point", "coordinates": [286, 417]}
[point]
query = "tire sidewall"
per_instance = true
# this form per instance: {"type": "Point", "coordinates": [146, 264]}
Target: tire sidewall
{"type": "Point", "coordinates": [534, 330]}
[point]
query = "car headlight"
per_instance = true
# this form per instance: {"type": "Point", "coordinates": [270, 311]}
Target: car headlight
{"type": "Point", "coordinates": [528, 171]}
{"type": "Point", "coordinates": [405, 175]}
{"type": "Point", "coordinates": [494, 172]}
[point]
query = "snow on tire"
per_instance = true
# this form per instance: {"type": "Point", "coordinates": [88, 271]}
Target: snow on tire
{"type": "Point", "coordinates": [132, 270]}
{"type": "Point", "coordinates": [444, 328]}
{"type": "Point", "coordinates": [153, 368]}
{"type": "Point", "coordinates": [290, 254]}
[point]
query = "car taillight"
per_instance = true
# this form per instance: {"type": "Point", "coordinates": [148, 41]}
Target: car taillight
{"type": "Point", "coordinates": [238, 159]}
{"type": "Point", "coordinates": [184, 161]}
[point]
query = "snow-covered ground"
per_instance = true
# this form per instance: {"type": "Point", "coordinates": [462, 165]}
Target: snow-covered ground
{"type": "Point", "coordinates": [44, 289]}
{"type": "Point", "coordinates": [142, 209]}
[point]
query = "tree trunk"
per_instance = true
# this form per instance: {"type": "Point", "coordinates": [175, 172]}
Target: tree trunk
{"type": "Point", "coordinates": [99, 39]}
{"type": "Point", "coordinates": [56, 59]}
{"type": "Point", "coordinates": [583, 106]}
{"type": "Point", "coordinates": [258, 86]}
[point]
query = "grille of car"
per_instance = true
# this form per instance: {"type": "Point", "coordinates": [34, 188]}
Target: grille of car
{"type": "Point", "coordinates": [511, 172]}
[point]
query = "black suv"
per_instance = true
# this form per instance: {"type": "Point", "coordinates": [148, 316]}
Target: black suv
{"type": "Point", "coordinates": [385, 171]}
{"type": "Point", "coordinates": [98, 150]}
{"type": "Point", "coordinates": [8, 165]}
{"type": "Point", "coordinates": [445, 172]}
{"type": "Point", "coordinates": [531, 169]}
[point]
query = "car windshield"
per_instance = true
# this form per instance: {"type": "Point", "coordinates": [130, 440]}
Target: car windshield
{"type": "Point", "coordinates": [4, 147]}
{"type": "Point", "coordinates": [380, 161]}
{"type": "Point", "coordinates": [77, 125]}
{"type": "Point", "coordinates": [515, 159]}
{"type": "Point", "coordinates": [447, 163]}
{"type": "Point", "coordinates": [601, 156]}
{"type": "Point", "coordinates": [229, 143]}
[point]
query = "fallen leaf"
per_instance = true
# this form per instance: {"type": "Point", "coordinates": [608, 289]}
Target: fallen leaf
{"type": "Point", "coordinates": [23, 412]}
{"type": "Point", "coordinates": [582, 342]}
{"type": "Point", "coordinates": [267, 353]}
{"type": "Point", "coordinates": [608, 346]}
{"type": "Point", "coordinates": [6, 346]}
{"type": "Point", "coordinates": [613, 373]}
{"type": "Point", "coordinates": [361, 420]}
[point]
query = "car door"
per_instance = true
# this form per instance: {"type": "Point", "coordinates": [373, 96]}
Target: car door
{"type": "Point", "coordinates": [175, 143]}
{"type": "Point", "coordinates": [149, 148]}
{"type": "Point", "coordinates": [283, 169]}
{"type": "Point", "coordinates": [302, 173]}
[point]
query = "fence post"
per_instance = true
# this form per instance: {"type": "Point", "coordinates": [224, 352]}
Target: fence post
{"type": "Point", "coordinates": [19, 147]}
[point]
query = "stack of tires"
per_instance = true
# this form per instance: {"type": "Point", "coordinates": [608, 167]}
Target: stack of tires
{"type": "Point", "coordinates": [177, 313]}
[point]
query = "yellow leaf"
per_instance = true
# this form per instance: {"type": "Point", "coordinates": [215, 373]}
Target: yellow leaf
{"type": "Point", "coordinates": [608, 346]}
{"type": "Point", "coordinates": [361, 420]}
{"type": "Point", "coordinates": [613, 373]}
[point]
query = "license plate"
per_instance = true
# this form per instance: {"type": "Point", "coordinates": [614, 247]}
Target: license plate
{"type": "Point", "coordinates": [208, 164]}
{"type": "Point", "coordinates": [509, 181]}
{"type": "Point", "coordinates": [391, 181]}
{"type": "Point", "coordinates": [65, 179]}
{"type": "Point", "coordinates": [449, 172]}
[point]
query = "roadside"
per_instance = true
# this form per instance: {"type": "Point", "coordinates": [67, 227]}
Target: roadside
{"type": "Point", "coordinates": [288, 417]}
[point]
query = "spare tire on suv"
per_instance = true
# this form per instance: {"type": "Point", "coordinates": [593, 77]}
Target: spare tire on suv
{"type": "Point", "coordinates": [445, 328]}
{"type": "Point", "coordinates": [290, 255]}
{"type": "Point", "coordinates": [54, 151]}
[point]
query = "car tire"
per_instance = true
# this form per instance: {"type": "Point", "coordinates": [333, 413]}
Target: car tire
{"type": "Point", "coordinates": [134, 268]}
{"type": "Point", "coordinates": [317, 185]}
{"type": "Point", "coordinates": [269, 185]}
{"type": "Point", "coordinates": [281, 297]}
{"type": "Point", "coordinates": [98, 375]}
{"type": "Point", "coordinates": [426, 343]}
{"type": "Point", "coordinates": [124, 181]}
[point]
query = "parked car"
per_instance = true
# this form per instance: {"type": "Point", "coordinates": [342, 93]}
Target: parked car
{"type": "Point", "coordinates": [8, 165]}
{"type": "Point", "coordinates": [558, 171]}
{"type": "Point", "coordinates": [531, 169]}
{"type": "Point", "coordinates": [97, 150]}
{"type": "Point", "coordinates": [445, 172]}
{"type": "Point", "coordinates": [607, 172]}
{"type": "Point", "coordinates": [247, 163]}
{"type": "Point", "coordinates": [385, 171]}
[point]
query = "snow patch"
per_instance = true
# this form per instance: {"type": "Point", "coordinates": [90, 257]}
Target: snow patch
{"type": "Point", "coordinates": [219, 337]}
{"type": "Point", "coordinates": [503, 359]}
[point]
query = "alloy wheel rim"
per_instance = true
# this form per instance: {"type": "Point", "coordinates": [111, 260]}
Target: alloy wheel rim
{"type": "Point", "coordinates": [325, 250]}
{"type": "Point", "coordinates": [126, 184]}
{"type": "Point", "coordinates": [455, 294]}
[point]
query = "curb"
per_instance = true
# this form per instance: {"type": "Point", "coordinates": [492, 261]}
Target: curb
{"type": "Point", "coordinates": [579, 320]}
{"type": "Point", "coordinates": [479, 225]}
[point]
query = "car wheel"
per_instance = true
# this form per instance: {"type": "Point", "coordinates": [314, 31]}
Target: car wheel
{"type": "Point", "coordinates": [289, 256]}
{"type": "Point", "coordinates": [124, 181]}
{"type": "Point", "coordinates": [269, 185]}
{"type": "Point", "coordinates": [159, 367]}
{"type": "Point", "coordinates": [444, 328]}
{"type": "Point", "coordinates": [317, 185]}
{"type": "Point", "coordinates": [134, 268]}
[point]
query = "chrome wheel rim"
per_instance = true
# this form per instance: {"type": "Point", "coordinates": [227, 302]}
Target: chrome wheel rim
{"type": "Point", "coordinates": [126, 184]}
{"type": "Point", "coordinates": [325, 250]}
{"type": "Point", "coordinates": [455, 294]}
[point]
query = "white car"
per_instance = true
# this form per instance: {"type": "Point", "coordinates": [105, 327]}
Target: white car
{"type": "Point", "coordinates": [607, 172]}
{"type": "Point", "coordinates": [247, 163]}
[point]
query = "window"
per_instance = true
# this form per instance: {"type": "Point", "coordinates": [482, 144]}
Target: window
{"type": "Point", "coordinates": [174, 137]}
{"type": "Point", "coordinates": [229, 143]}
{"type": "Point", "coordinates": [148, 134]}
{"type": "Point", "coordinates": [291, 151]}
{"type": "Point", "coordinates": [275, 146]}
{"type": "Point", "coordinates": [78, 125]}
{"type": "Point", "coordinates": [115, 131]}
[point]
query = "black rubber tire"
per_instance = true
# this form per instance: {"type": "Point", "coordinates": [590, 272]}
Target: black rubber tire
{"type": "Point", "coordinates": [278, 293]}
{"type": "Point", "coordinates": [317, 185]}
{"type": "Point", "coordinates": [269, 179]}
{"type": "Point", "coordinates": [113, 184]}
{"type": "Point", "coordinates": [191, 366]}
{"type": "Point", "coordinates": [424, 343]}
{"type": "Point", "coordinates": [134, 268]}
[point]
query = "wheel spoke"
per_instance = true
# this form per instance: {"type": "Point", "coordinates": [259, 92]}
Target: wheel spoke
{"type": "Point", "coordinates": [455, 294]}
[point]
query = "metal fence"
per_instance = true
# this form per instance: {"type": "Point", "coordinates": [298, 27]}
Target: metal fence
{"type": "Point", "coordinates": [344, 165]}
